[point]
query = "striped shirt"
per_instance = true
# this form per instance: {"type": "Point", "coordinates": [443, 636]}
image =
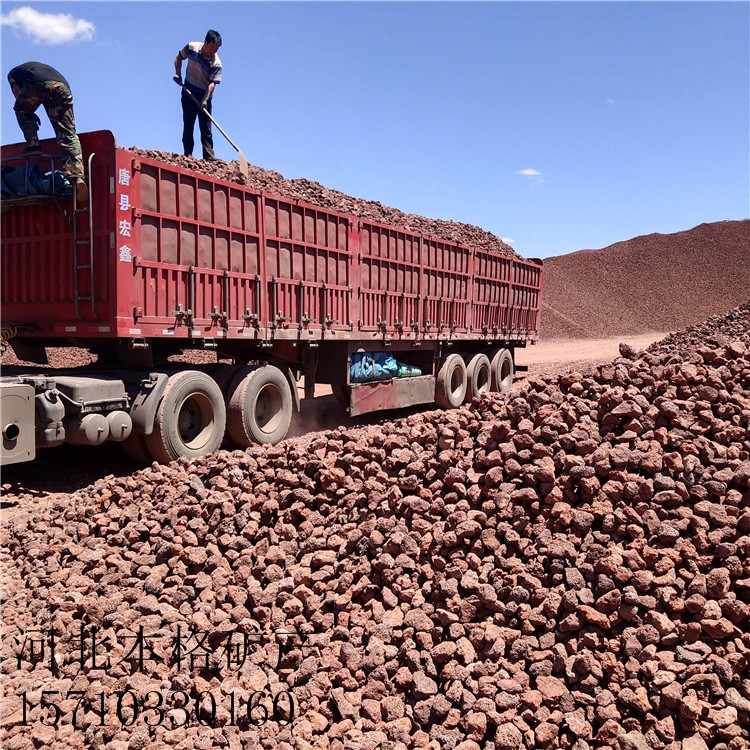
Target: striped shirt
{"type": "Point", "coordinates": [200, 71]}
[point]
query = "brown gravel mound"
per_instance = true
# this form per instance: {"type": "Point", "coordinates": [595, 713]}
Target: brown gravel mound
{"type": "Point", "coordinates": [658, 282]}
{"type": "Point", "coordinates": [563, 566]}
{"type": "Point", "coordinates": [313, 192]}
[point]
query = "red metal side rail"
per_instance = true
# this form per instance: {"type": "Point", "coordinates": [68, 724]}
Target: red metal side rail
{"type": "Point", "coordinates": [41, 265]}
{"type": "Point", "coordinates": [197, 262]}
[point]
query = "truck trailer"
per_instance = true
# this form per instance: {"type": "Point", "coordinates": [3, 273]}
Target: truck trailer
{"type": "Point", "coordinates": [161, 261]}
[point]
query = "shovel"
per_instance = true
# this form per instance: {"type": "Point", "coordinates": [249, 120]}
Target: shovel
{"type": "Point", "coordinates": [243, 160]}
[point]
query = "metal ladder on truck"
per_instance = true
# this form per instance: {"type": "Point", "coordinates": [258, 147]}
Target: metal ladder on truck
{"type": "Point", "coordinates": [83, 249]}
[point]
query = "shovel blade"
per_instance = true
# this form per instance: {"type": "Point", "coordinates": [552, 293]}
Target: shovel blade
{"type": "Point", "coordinates": [243, 164]}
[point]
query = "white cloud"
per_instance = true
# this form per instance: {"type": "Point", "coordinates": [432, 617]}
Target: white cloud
{"type": "Point", "coordinates": [48, 28]}
{"type": "Point", "coordinates": [507, 240]}
{"type": "Point", "coordinates": [531, 174]}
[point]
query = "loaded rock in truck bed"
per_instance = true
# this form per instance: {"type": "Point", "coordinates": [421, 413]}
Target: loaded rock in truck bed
{"type": "Point", "coordinates": [313, 192]}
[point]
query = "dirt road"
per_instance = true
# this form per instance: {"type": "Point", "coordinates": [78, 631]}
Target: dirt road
{"type": "Point", "coordinates": [565, 351]}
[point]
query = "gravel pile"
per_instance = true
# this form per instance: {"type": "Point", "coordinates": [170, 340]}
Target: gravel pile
{"type": "Point", "coordinates": [561, 567]}
{"type": "Point", "coordinates": [717, 330]}
{"type": "Point", "coordinates": [308, 191]}
{"type": "Point", "coordinates": [654, 283]}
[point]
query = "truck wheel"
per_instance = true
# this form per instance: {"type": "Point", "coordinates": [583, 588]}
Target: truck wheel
{"type": "Point", "coordinates": [340, 393]}
{"type": "Point", "coordinates": [478, 377]}
{"type": "Point", "coordinates": [450, 384]}
{"type": "Point", "coordinates": [503, 370]}
{"type": "Point", "coordinates": [259, 409]}
{"type": "Point", "coordinates": [190, 419]}
{"type": "Point", "coordinates": [226, 377]}
{"type": "Point", "coordinates": [135, 449]}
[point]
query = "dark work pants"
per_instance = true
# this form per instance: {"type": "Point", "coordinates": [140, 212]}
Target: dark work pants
{"type": "Point", "coordinates": [190, 110]}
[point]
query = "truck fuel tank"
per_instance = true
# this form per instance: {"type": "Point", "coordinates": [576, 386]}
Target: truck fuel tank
{"type": "Point", "coordinates": [17, 418]}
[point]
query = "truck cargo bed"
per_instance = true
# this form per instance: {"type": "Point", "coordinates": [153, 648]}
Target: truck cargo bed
{"type": "Point", "coordinates": [165, 253]}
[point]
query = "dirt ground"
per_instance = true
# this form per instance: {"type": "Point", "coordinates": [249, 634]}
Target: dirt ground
{"type": "Point", "coordinates": [69, 468]}
{"type": "Point", "coordinates": [565, 352]}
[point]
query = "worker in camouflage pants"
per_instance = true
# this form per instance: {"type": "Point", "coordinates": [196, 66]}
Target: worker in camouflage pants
{"type": "Point", "coordinates": [35, 83]}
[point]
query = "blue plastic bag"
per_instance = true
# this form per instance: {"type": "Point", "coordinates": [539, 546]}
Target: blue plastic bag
{"type": "Point", "coordinates": [370, 366]}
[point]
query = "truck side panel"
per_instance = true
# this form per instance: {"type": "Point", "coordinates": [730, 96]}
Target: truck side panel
{"type": "Point", "coordinates": [308, 267]}
{"type": "Point", "coordinates": [180, 254]}
{"type": "Point", "coordinates": [48, 280]}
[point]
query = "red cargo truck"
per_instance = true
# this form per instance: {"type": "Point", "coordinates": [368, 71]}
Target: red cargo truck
{"type": "Point", "coordinates": [162, 260]}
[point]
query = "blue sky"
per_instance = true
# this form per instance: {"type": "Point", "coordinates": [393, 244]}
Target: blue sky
{"type": "Point", "coordinates": [558, 126]}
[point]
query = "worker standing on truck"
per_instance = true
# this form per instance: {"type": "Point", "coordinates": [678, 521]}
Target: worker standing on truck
{"type": "Point", "coordinates": [32, 84]}
{"type": "Point", "coordinates": [201, 76]}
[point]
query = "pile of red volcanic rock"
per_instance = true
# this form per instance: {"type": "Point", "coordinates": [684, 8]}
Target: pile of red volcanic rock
{"type": "Point", "coordinates": [716, 331]}
{"type": "Point", "coordinates": [307, 191]}
{"type": "Point", "coordinates": [567, 566]}
{"type": "Point", "coordinates": [655, 282]}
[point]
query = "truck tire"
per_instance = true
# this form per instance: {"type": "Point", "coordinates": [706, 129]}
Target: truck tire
{"type": "Point", "coordinates": [478, 377]}
{"type": "Point", "coordinates": [135, 449]}
{"type": "Point", "coordinates": [503, 370]}
{"type": "Point", "coordinates": [451, 384]}
{"type": "Point", "coordinates": [259, 409]}
{"type": "Point", "coordinates": [340, 393]}
{"type": "Point", "coordinates": [190, 419]}
{"type": "Point", "coordinates": [226, 377]}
